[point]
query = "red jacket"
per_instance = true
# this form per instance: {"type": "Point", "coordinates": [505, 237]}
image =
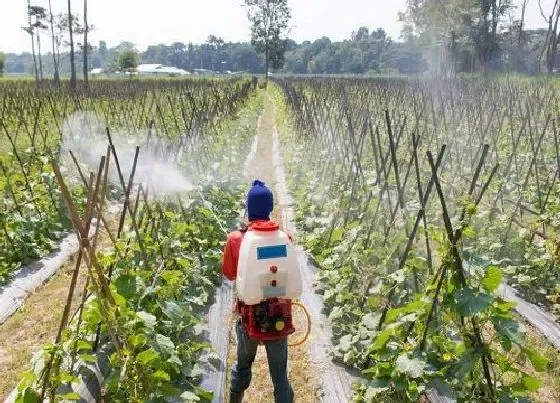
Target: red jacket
{"type": "Point", "coordinates": [231, 251]}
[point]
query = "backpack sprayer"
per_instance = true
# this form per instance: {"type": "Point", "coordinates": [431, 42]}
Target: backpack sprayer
{"type": "Point", "coordinates": [268, 280]}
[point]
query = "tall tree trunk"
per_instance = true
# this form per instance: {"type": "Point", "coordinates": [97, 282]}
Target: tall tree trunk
{"type": "Point", "coordinates": [522, 23]}
{"type": "Point", "coordinates": [267, 45]}
{"type": "Point", "coordinates": [519, 51]}
{"type": "Point", "coordinates": [72, 56]}
{"type": "Point", "coordinates": [32, 33]}
{"type": "Point", "coordinates": [39, 54]}
{"type": "Point", "coordinates": [58, 59]}
{"type": "Point", "coordinates": [55, 62]}
{"type": "Point", "coordinates": [86, 46]}
{"type": "Point", "coordinates": [553, 41]}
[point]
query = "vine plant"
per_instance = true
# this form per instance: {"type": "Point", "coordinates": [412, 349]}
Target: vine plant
{"type": "Point", "coordinates": [406, 306]}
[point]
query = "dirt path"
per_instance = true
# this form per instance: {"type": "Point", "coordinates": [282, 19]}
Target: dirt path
{"type": "Point", "coordinates": [300, 370]}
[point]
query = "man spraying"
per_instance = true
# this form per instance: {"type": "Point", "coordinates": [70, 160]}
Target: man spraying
{"type": "Point", "coordinates": [262, 260]}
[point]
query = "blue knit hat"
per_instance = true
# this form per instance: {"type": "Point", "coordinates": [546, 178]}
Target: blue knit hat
{"type": "Point", "coordinates": [260, 202]}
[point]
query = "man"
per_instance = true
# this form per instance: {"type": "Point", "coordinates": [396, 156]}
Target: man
{"type": "Point", "coordinates": [260, 204]}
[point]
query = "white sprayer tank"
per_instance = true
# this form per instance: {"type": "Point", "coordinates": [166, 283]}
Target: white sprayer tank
{"type": "Point", "coordinates": [267, 267]}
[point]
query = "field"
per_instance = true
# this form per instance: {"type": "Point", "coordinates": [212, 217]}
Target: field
{"type": "Point", "coordinates": [421, 202]}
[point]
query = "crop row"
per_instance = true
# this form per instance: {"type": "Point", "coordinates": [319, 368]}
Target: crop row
{"type": "Point", "coordinates": [417, 199]}
{"type": "Point", "coordinates": [36, 122]}
{"type": "Point", "coordinates": [145, 324]}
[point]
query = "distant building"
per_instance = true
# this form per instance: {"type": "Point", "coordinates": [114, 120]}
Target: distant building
{"type": "Point", "coordinates": [160, 69]}
{"type": "Point", "coordinates": [204, 72]}
{"type": "Point", "coordinates": [96, 71]}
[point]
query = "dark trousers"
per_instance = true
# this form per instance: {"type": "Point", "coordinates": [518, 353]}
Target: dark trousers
{"type": "Point", "coordinates": [277, 354]}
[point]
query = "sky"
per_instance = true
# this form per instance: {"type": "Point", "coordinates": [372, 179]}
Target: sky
{"type": "Point", "coordinates": [149, 22]}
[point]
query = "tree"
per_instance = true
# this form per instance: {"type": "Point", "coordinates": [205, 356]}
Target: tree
{"type": "Point", "coordinates": [2, 62]}
{"type": "Point", "coordinates": [86, 45]}
{"type": "Point", "coordinates": [485, 32]}
{"type": "Point", "coordinates": [40, 15]}
{"type": "Point", "coordinates": [103, 48]}
{"type": "Point", "coordinates": [177, 56]}
{"type": "Point", "coordinates": [521, 25]}
{"type": "Point", "coordinates": [269, 22]}
{"type": "Point", "coordinates": [53, 41]}
{"type": "Point", "coordinates": [31, 31]}
{"type": "Point", "coordinates": [244, 58]}
{"type": "Point", "coordinates": [62, 29]}
{"type": "Point", "coordinates": [451, 29]}
{"type": "Point", "coordinates": [550, 47]}
{"type": "Point", "coordinates": [216, 45]}
{"type": "Point", "coordinates": [71, 35]}
{"type": "Point", "coordinates": [438, 27]}
{"type": "Point", "coordinates": [128, 59]}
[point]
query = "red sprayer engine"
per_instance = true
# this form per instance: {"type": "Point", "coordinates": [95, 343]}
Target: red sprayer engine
{"type": "Point", "coordinates": [269, 320]}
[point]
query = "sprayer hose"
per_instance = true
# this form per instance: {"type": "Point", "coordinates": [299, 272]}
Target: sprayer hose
{"type": "Point", "coordinates": [308, 332]}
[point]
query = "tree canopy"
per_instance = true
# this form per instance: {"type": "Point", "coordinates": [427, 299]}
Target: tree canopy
{"type": "Point", "coordinates": [128, 59]}
{"type": "Point", "coordinates": [269, 22]}
{"type": "Point", "coordinates": [424, 46]}
{"type": "Point", "coordinates": [474, 35]}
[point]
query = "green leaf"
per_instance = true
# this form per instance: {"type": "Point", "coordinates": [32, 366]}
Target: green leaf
{"type": "Point", "coordinates": [468, 303]}
{"type": "Point", "coordinates": [71, 396]}
{"type": "Point", "coordinates": [469, 232]}
{"type": "Point", "coordinates": [167, 389]}
{"type": "Point", "coordinates": [492, 279]}
{"type": "Point", "coordinates": [83, 345]}
{"type": "Point", "coordinates": [530, 383]}
{"type": "Point", "coordinates": [148, 319]}
{"type": "Point", "coordinates": [147, 356]}
{"type": "Point", "coordinates": [89, 358]}
{"type": "Point", "coordinates": [413, 368]}
{"type": "Point", "coordinates": [188, 396]}
{"type": "Point", "coordinates": [375, 387]}
{"type": "Point", "coordinates": [345, 343]}
{"type": "Point", "coordinates": [382, 339]}
{"type": "Point", "coordinates": [126, 286]}
{"type": "Point", "coordinates": [172, 311]}
{"type": "Point", "coordinates": [539, 362]}
{"type": "Point", "coordinates": [466, 363]}
{"type": "Point", "coordinates": [175, 360]}
{"type": "Point", "coordinates": [506, 307]}
{"type": "Point", "coordinates": [411, 307]}
{"type": "Point", "coordinates": [371, 320]}
{"type": "Point", "coordinates": [172, 276]}
{"type": "Point", "coordinates": [30, 396]}
{"type": "Point", "coordinates": [336, 235]}
{"type": "Point", "coordinates": [508, 329]}
{"type": "Point", "coordinates": [161, 375]}
{"type": "Point", "coordinates": [204, 394]}
{"type": "Point", "coordinates": [137, 340]}
{"type": "Point", "coordinates": [165, 344]}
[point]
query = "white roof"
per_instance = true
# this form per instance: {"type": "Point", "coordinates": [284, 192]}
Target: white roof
{"type": "Point", "coordinates": [96, 71]}
{"type": "Point", "coordinates": [147, 67]}
{"type": "Point", "coordinates": [159, 69]}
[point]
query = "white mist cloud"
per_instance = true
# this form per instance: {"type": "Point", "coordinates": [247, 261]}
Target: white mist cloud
{"type": "Point", "coordinates": [84, 134]}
